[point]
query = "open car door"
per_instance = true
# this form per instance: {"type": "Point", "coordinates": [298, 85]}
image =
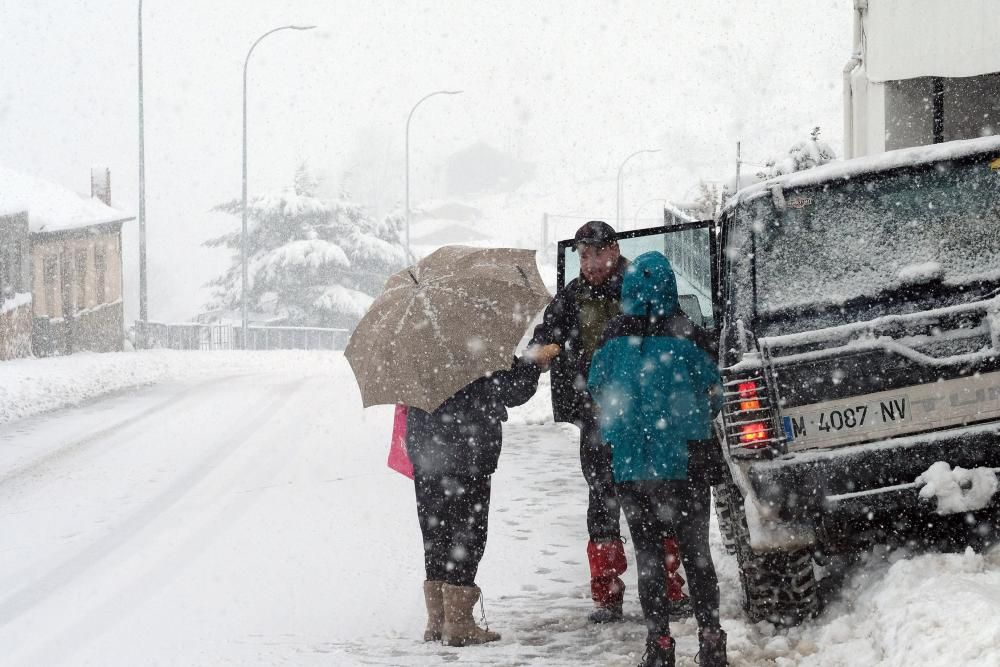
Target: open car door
{"type": "Point", "coordinates": [692, 250]}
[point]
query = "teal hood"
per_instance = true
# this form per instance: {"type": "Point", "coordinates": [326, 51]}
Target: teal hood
{"type": "Point", "coordinates": [656, 389]}
{"type": "Point", "coordinates": [649, 287]}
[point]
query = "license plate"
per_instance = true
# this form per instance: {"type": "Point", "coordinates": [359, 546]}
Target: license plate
{"type": "Point", "coordinates": [850, 421]}
{"type": "Point", "coordinates": [960, 401]}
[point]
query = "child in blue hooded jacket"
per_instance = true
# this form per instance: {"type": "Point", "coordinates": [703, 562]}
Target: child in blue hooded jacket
{"type": "Point", "coordinates": [658, 389]}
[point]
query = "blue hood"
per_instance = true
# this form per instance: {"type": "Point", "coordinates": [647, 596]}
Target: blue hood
{"type": "Point", "coordinates": [649, 286]}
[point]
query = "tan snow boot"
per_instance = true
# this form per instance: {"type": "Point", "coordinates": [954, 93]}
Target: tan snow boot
{"type": "Point", "coordinates": [460, 627]}
{"type": "Point", "coordinates": [434, 599]}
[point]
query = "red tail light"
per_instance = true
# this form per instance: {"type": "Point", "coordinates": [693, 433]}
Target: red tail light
{"type": "Point", "coordinates": [749, 418]}
{"type": "Point", "coordinates": [755, 434]}
{"type": "Point", "coordinates": [748, 396]}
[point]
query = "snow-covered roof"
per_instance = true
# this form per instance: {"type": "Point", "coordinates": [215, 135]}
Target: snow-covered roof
{"type": "Point", "coordinates": [910, 38]}
{"type": "Point", "coordinates": [847, 169]}
{"type": "Point", "coordinates": [51, 207]}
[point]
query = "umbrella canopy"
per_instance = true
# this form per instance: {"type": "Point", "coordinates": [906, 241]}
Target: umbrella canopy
{"type": "Point", "coordinates": [455, 316]}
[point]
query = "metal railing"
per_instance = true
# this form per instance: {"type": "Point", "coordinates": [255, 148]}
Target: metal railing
{"type": "Point", "coordinates": [198, 336]}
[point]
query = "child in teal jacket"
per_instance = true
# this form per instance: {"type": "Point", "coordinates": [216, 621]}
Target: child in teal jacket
{"type": "Point", "coordinates": [658, 390]}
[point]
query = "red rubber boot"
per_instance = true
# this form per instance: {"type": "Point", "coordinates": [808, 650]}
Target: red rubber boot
{"type": "Point", "coordinates": [680, 604]}
{"type": "Point", "coordinates": [607, 561]}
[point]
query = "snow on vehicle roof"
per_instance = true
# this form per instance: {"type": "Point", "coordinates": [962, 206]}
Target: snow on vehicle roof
{"type": "Point", "coordinates": [51, 207]}
{"type": "Point", "coordinates": [870, 164]}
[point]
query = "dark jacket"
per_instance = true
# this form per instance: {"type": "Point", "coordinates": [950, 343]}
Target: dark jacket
{"type": "Point", "coordinates": [463, 436]}
{"type": "Point", "coordinates": [571, 402]}
{"type": "Point", "coordinates": [657, 383]}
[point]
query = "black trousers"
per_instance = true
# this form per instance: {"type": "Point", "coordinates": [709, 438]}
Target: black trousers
{"type": "Point", "coordinates": [603, 509]}
{"type": "Point", "coordinates": [454, 518]}
{"type": "Point", "coordinates": [657, 509]}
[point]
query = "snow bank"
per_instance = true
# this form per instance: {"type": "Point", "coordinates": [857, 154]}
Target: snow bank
{"type": "Point", "coordinates": [930, 610]}
{"type": "Point", "coordinates": [32, 386]}
{"type": "Point", "coordinates": [957, 490]}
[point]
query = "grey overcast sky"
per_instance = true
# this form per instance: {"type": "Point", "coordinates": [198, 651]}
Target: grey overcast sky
{"type": "Point", "coordinates": [572, 86]}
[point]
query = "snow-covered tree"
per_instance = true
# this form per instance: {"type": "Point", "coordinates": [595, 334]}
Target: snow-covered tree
{"type": "Point", "coordinates": [706, 204]}
{"type": "Point", "coordinates": [311, 261]}
{"type": "Point", "coordinates": [802, 155]}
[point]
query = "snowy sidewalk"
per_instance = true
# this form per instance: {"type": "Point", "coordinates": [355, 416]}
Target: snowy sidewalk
{"type": "Point", "coordinates": [534, 576]}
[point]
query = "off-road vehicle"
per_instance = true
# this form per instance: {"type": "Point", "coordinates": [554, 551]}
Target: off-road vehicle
{"type": "Point", "coordinates": [857, 308]}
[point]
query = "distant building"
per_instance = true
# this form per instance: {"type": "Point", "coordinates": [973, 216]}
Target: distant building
{"type": "Point", "coordinates": [61, 277]}
{"type": "Point", "coordinates": [15, 284]}
{"type": "Point", "coordinates": [922, 72]}
{"type": "Point", "coordinates": [437, 223]}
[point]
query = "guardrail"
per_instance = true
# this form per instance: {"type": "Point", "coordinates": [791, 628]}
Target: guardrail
{"type": "Point", "coordinates": [198, 336]}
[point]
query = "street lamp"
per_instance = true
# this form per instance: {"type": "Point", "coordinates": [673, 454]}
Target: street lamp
{"type": "Point", "coordinates": [419, 102]}
{"type": "Point", "coordinates": [243, 237]}
{"type": "Point", "coordinates": [635, 220]}
{"type": "Point", "coordinates": [143, 304]}
{"type": "Point", "coordinates": [618, 203]}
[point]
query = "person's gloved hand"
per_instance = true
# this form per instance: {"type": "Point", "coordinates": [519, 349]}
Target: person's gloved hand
{"type": "Point", "coordinates": [542, 355]}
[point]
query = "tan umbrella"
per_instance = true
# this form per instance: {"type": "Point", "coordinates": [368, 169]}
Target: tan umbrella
{"type": "Point", "coordinates": [444, 322]}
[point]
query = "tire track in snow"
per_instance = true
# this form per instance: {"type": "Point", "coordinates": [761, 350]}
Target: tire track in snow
{"type": "Point", "coordinates": [76, 446]}
{"type": "Point", "coordinates": [28, 597]}
{"type": "Point", "coordinates": [157, 575]}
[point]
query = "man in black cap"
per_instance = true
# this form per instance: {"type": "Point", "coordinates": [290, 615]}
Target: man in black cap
{"type": "Point", "coordinates": [574, 321]}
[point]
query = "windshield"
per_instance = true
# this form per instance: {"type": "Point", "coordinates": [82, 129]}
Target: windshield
{"type": "Point", "coordinates": [867, 236]}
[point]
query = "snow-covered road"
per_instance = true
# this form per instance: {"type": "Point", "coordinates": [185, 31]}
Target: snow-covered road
{"type": "Point", "coordinates": [245, 516]}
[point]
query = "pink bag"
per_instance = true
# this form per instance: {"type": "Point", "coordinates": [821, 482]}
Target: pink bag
{"type": "Point", "coordinates": [398, 458]}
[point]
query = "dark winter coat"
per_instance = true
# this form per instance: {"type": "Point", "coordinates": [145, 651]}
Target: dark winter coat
{"type": "Point", "coordinates": [656, 381]}
{"type": "Point", "coordinates": [571, 402]}
{"type": "Point", "coordinates": [463, 436]}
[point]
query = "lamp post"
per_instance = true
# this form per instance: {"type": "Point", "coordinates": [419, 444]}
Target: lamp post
{"type": "Point", "coordinates": [408, 118]}
{"type": "Point", "coordinates": [243, 236]}
{"type": "Point", "coordinates": [635, 219]}
{"type": "Point", "coordinates": [618, 206]}
{"type": "Point", "coordinates": [143, 304]}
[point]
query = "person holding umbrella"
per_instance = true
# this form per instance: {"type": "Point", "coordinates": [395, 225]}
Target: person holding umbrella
{"type": "Point", "coordinates": [440, 339]}
{"type": "Point", "coordinates": [455, 450]}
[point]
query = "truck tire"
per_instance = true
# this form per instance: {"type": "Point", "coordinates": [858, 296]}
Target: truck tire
{"type": "Point", "coordinates": [778, 586]}
{"type": "Point", "coordinates": [724, 515]}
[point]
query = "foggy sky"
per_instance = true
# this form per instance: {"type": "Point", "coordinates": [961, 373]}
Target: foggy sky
{"type": "Point", "coordinates": [572, 86]}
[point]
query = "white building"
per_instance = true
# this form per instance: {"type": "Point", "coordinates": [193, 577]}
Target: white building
{"type": "Point", "coordinates": [922, 72]}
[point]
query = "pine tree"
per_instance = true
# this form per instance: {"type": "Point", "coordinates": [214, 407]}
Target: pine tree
{"type": "Point", "coordinates": [311, 261]}
{"type": "Point", "coordinates": [706, 204]}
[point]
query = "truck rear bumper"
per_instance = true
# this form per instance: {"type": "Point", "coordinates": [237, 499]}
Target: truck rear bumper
{"type": "Point", "coordinates": [870, 478]}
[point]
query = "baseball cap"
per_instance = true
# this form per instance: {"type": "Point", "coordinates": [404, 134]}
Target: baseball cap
{"type": "Point", "coordinates": [595, 233]}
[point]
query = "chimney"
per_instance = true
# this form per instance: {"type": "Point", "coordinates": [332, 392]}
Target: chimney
{"type": "Point", "coordinates": [100, 184]}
